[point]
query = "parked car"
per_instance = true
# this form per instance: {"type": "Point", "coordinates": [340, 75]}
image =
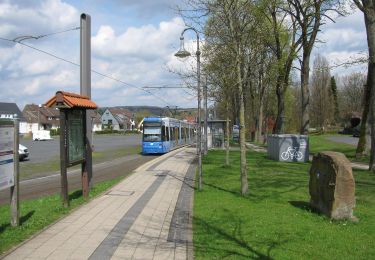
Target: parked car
{"type": "Point", "coordinates": [42, 135]}
{"type": "Point", "coordinates": [23, 152]}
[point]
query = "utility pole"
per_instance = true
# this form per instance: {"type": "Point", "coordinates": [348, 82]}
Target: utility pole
{"type": "Point", "coordinates": [15, 189]}
{"type": "Point", "coordinates": [205, 117]}
{"type": "Point", "coordinates": [85, 76]}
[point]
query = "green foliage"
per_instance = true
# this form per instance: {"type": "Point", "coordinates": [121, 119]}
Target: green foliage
{"type": "Point", "coordinates": [39, 213]}
{"type": "Point", "coordinates": [55, 132]}
{"type": "Point", "coordinates": [275, 221]}
{"type": "Point", "coordinates": [108, 131]}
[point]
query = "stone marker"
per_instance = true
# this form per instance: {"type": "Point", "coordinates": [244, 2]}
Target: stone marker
{"type": "Point", "coordinates": [332, 185]}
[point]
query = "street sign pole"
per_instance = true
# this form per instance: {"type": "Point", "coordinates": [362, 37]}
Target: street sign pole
{"type": "Point", "coordinates": [14, 190]}
{"type": "Point", "coordinates": [63, 158]}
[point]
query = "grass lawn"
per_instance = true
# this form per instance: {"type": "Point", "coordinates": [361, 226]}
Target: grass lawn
{"type": "Point", "coordinates": [38, 213]}
{"type": "Point", "coordinates": [320, 143]}
{"type": "Point", "coordinates": [274, 220]}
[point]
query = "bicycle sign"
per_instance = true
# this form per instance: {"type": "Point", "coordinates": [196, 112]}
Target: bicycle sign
{"type": "Point", "coordinates": [291, 153]}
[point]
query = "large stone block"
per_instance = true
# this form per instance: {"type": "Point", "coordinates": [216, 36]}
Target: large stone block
{"type": "Point", "coordinates": [332, 186]}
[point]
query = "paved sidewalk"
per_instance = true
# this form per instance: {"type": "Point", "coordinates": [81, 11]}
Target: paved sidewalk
{"type": "Point", "coordinates": [146, 216]}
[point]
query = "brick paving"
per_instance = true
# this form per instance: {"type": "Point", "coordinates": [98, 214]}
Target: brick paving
{"type": "Point", "coordinates": [146, 216]}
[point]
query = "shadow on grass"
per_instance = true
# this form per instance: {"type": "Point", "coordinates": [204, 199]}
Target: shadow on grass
{"type": "Point", "coordinates": [75, 195]}
{"type": "Point", "coordinates": [236, 238]}
{"type": "Point", "coordinates": [303, 205]}
{"type": "Point", "coordinates": [23, 219]}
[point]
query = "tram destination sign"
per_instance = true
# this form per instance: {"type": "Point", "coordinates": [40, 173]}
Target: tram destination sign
{"type": "Point", "coordinates": [6, 154]}
{"type": "Point", "coordinates": [75, 135]}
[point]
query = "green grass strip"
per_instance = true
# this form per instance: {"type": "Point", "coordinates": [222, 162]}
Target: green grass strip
{"type": "Point", "coordinates": [321, 143]}
{"type": "Point", "coordinates": [38, 213]}
{"type": "Point", "coordinates": [274, 220]}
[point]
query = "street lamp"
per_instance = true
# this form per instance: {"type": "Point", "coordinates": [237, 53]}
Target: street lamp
{"type": "Point", "coordinates": [182, 53]}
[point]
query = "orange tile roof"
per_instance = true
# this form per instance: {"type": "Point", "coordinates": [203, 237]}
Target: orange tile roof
{"type": "Point", "coordinates": [70, 100]}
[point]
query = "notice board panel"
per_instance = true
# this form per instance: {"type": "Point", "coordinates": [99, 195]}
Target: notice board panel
{"type": "Point", "coordinates": [6, 154]}
{"type": "Point", "coordinates": [76, 145]}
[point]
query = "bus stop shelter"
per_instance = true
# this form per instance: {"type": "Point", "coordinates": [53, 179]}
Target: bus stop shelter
{"type": "Point", "coordinates": [215, 133]}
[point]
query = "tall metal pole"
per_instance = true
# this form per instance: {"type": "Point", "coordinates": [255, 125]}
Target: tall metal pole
{"type": "Point", "coordinates": [86, 90]}
{"type": "Point", "coordinates": [15, 190]}
{"type": "Point", "coordinates": [205, 117]}
{"type": "Point", "coordinates": [199, 115]}
{"type": "Point", "coordinates": [182, 53]}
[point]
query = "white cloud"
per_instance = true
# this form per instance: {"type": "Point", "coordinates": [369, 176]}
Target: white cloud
{"type": "Point", "coordinates": [43, 17]}
{"type": "Point", "coordinates": [147, 42]}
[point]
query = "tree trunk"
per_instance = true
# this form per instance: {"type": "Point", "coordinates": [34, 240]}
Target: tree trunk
{"type": "Point", "coordinates": [277, 129]}
{"type": "Point", "coordinates": [244, 183]}
{"type": "Point", "coordinates": [361, 146]}
{"type": "Point", "coordinates": [227, 135]}
{"type": "Point", "coordinates": [370, 28]}
{"type": "Point", "coordinates": [305, 71]}
{"type": "Point", "coordinates": [260, 121]}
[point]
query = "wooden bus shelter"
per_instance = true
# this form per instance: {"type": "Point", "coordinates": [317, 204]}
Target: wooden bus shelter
{"type": "Point", "coordinates": [73, 150]}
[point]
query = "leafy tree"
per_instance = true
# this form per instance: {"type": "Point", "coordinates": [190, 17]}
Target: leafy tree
{"type": "Point", "coordinates": [335, 100]}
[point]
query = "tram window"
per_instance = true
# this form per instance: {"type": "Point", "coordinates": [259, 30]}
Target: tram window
{"type": "Point", "coordinates": [163, 133]}
{"type": "Point", "coordinates": [166, 133]}
{"type": "Point", "coordinates": [172, 133]}
{"type": "Point", "coordinates": [152, 134]}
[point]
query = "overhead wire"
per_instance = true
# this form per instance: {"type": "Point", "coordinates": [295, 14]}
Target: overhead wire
{"type": "Point", "coordinates": [94, 71]}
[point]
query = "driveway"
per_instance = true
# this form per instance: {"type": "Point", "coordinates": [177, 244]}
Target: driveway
{"type": "Point", "coordinates": [344, 139]}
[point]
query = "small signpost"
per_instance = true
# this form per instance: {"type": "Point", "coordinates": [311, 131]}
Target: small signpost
{"type": "Point", "coordinates": [73, 141]}
{"type": "Point", "coordinates": [9, 164]}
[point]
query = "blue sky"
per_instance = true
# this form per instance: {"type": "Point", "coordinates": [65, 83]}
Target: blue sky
{"type": "Point", "coordinates": [133, 41]}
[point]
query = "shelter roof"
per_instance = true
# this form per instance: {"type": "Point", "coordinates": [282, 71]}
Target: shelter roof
{"type": "Point", "coordinates": [70, 100]}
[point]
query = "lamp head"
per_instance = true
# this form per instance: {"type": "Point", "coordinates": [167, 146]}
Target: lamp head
{"type": "Point", "coordinates": [182, 53]}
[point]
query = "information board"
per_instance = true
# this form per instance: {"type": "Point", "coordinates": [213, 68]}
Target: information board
{"type": "Point", "coordinates": [75, 136]}
{"type": "Point", "coordinates": [6, 154]}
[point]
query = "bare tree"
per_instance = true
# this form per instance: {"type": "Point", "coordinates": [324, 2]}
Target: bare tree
{"type": "Point", "coordinates": [322, 103]}
{"type": "Point", "coordinates": [310, 15]}
{"type": "Point", "coordinates": [351, 90]}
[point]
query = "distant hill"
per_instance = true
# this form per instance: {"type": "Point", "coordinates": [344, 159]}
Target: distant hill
{"type": "Point", "coordinates": [153, 110]}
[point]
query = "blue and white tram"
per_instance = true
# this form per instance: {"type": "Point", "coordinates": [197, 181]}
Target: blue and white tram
{"type": "Point", "coordinates": [161, 135]}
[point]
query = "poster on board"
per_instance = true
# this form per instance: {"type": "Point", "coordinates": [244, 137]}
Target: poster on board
{"type": "Point", "coordinates": [6, 154]}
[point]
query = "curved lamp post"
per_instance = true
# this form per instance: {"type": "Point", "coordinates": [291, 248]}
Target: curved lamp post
{"type": "Point", "coordinates": [182, 53]}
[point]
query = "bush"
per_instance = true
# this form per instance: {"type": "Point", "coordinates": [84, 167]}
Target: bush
{"type": "Point", "coordinates": [55, 132]}
{"type": "Point", "coordinates": [107, 131]}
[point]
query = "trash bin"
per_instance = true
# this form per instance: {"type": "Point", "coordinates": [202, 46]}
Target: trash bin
{"type": "Point", "coordinates": [288, 148]}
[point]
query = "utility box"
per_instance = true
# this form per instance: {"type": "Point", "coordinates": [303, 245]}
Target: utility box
{"type": "Point", "coordinates": [288, 148]}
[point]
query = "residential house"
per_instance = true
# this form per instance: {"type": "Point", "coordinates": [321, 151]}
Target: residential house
{"type": "Point", "coordinates": [9, 110]}
{"type": "Point", "coordinates": [41, 118]}
{"type": "Point", "coordinates": [96, 121]}
{"type": "Point", "coordinates": [118, 119]}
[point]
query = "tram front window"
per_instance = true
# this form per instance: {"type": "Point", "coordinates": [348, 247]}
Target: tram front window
{"type": "Point", "coordinates": [152, 134]}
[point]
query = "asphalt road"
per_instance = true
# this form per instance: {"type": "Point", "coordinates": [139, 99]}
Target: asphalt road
{"type": "Point", "coordinates": [42, 151]}
{"type": "Point", "coordinates": [344, 139]}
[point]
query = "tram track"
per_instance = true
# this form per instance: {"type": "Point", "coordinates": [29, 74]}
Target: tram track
{"type": "Point", "coordinates": [47, 185]}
